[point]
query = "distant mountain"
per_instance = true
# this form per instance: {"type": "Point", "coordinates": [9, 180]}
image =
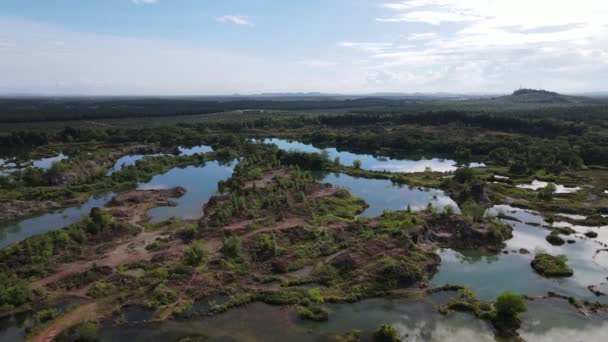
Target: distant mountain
{"type": "Point", "coordinates": [544, 96]}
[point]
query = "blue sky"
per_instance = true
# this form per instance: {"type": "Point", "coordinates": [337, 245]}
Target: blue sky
{"type": "Point", "coordinates": [190, 47]}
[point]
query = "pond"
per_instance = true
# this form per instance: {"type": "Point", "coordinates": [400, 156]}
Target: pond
{"type": "Point", "coordinates": [14, 232]}
{"type": "Point", "coordinates": [46, 163]}
{"type": "Point", "coordinates": [189, 151]}
{"type": "Point", "coordinates": [200, 183]}
{"type": "Point", "coordinates": [8, 166]}
{"type": "Point", "coordinates": [559, 189]}
{"type": "Point", "coordinates": [554, 320]}
{"type": "Point", "coordinates": [261, 322]}
{"type": "Point", "coordinates": [415, 320]}
{"type": "Point", "coordinates": [130, 160]}
{"type": "Point", "coordinates": [374, 163]}
{"type": "Point", "coordinates": [489, 276]}
{"type": "Point", "coordinates": [382, 194]}
{"type": "Point", "coordinates": [13, 327]}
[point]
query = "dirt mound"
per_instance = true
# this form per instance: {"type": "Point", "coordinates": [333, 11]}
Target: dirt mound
{"type": "Point", "coordinates": [11, 210]}
{"type": "Point", "coordinates": [132, 206]}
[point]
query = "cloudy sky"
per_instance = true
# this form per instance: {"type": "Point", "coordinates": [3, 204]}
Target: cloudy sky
{"type": "Point", "coordinates": [186, 47]}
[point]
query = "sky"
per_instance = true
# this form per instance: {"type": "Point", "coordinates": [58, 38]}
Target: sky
{"type": "Point", "coordinates": [222, 47]}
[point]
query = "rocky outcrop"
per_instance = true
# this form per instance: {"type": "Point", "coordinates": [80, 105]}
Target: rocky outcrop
{"type": "Point", "coordinates": [458, 233]}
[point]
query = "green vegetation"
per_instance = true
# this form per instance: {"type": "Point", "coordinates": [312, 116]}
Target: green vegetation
{"type": "Point", "coordinates": [196, 254]}
{"type": "Point", "coordinates": [552, 266]}
{"type": "Point", "coordinates": [503, 313]}
{"type": "Point", "coordinates": [386, 333]}
{"type": "Point", "coordinates": [81, 332]}
{"type": "Point", "coordinates": [276, 235]}
{"type": "Point", "coordinates": [555, 239]}
{"type": "Point", "coordinates": [314, 312]}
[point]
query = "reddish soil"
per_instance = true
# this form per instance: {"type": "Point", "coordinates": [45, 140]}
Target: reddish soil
{"type": "Point", "coordinates": [267, 178]}
{"type": "Point", "coordinates": [80, 314]}
{"type": "Point", "coordinates": [127, 252]}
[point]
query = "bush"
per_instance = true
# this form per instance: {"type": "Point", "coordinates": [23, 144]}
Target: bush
{"type": "Point", "coordinates": [196, 254]}
{"type": "Point", "coordinates": [555, 239]}
{"type": "Point", "coordinates": [509, 304]}
{"type": "Point", "coordinates": [386, 333]}
{"type": "Point", "coordinates": [81, 332]}
{"type": "Point", "coordinates": [232, 248]}
{"type": "Point", "coordinates": [473, 210]}
{"type": "Point", "coordinates": [13, 291]}
{"type": "Point", "coordinates": [314, 312]}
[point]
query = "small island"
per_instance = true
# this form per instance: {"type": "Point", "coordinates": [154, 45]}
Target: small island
{"type": "Point", "coordinates": [552, 266]}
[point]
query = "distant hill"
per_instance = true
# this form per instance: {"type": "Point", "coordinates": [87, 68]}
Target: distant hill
{"type": "Point", "coordinates": [544, 96]}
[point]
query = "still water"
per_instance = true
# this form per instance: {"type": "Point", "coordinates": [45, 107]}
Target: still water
{"type": "Point", "coordinates": [374, 163]}
{"type": "Point", "coordinates": [382, 194]}
{"type": "Point", "coordinates": [200, 183]}
{"type": "Point", "coordinates": [15, 232]}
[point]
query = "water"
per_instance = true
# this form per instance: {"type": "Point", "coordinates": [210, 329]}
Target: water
{"type": "Point", "coordinates": [15, 232]}
{"type": "Point", "coordinates": [7, 167]}
{"type": "Point", "coordinates": [200, 183]}
{"type": "Point", "coordinates": [559, 189]}
{"type": "Point", "coordinates": [260, 322]}
{"type": "Point", "coordinates": [373, 163]}
{"type": "Point", "coordinates": [554, 320]}
{"type": "Point", "coordinates": [188, 151]}
{"type": "Point", "coordinates": [46, 163]}
{"type": "Point", "coordinates": [129, 160]}
{"type": "Point", "coordinates": [381, 194]}
{"type": "Point", "coordinates": [489, 276]}
{"type": "Point", "coordinates": [136, 313]}
{"type": "Point", "coordinates": [13, 327]}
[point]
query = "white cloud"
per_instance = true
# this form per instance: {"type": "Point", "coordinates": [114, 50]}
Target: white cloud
{"type": "Point", "coordinates": [493, 45]}
{"type": "Point", "coordinates": [422, 36]}
{"type": "Point", "coordinates": [144, 2]}
{"type": "Point", "coordinates": [46, 59]}
{"type": "Point", "coordinates": [366, 46]}
{"type": "Point", "coordinates": [235, 19]}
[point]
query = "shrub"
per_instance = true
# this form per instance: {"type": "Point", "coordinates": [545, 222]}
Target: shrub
{"type": "Point", "coordinates": [555, 239]}
{"type": "Point", "coordinates": [509, 304]}
{"type": "Point", "coordinates": [386, 333]}
{"type": "Point", "coordinates": [196, 254]}
{"type": "Point", "coordinates": [81, 332]}
{"type": "Point", "coordinates": [314, 312]}
{"type": "Point", "coordinates": [232, 248]}
{"type": "Point", "coordinates": [552, 266]}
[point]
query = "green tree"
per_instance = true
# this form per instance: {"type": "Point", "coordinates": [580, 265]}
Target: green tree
{"type": "Point", "coordinates": [357, 164]}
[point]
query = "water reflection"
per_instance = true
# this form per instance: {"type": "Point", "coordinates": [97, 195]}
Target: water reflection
{"type": "Point", "coordinates": [372, 163]}
{"type": "Point", "coordinates": [15, 232]}
{"type": "Point", "coordinates": [382, 194]}
{"type": "Point", "coordinates": [200, 183]}
{"type": "Point", "coordinates": [512, 272]}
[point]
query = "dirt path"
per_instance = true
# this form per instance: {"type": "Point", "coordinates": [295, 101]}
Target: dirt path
{"type": "Point", "coordinates": [130, 251]}
{"type": "Point", "coordinates": [82, 313]}
{"type": "Point", "coordinates": [324, 192]}
{"type": "Point", "coordinates": [267, 178]}
{"type": "Point", "coordinates": [287, 224]}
